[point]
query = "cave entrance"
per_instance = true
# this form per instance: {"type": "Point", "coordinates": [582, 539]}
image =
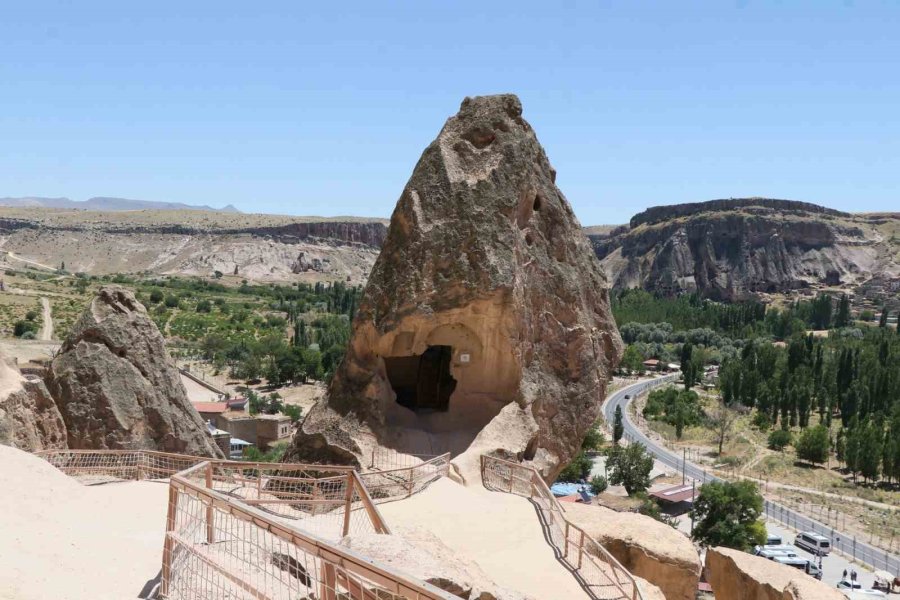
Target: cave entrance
{"type": "Point", "coordinates": [423, 382]}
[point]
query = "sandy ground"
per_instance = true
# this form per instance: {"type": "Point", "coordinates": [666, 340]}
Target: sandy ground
{"type": "Point", "coordinates": [500, 532]}
{"type": "Point", "coordinates": [59, 539]}
{"type": "Point", "coordinates": [28, 350]}
{"type": "Point", "coordinates": [198, 393]}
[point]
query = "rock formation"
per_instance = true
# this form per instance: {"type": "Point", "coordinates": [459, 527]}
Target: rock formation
{"type": "Point", "coordinates": [485, 324]}
{"type": "Point", "coordinates": [734, 249]}
{"type": "Point", "coordinates": [425, 557]}
{"type": "Point", "coordinates": [116, 386]}
{"type": "Point", "coordinates": [647, 548]}
{"type": "Point", "coordinates": [29, 419]}
{"type": "Point", "coordinates": [737, 575]}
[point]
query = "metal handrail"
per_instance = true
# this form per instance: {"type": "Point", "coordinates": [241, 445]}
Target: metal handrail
{"type": "Point", "coordinates": [539, 489]}
{"type": "Point", "coordinates": [394, 580]}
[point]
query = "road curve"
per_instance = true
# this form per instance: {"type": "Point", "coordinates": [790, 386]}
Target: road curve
{"type": "Point", "coordinates": [861, 551]}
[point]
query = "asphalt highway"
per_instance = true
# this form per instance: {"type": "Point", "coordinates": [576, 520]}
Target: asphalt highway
{"type": "Point", "coordinates": [858, 549]}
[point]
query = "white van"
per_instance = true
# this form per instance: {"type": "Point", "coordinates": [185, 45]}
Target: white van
{"type": "Point", "coordinates": [813, 542]}
{"type": "Point", "coordinates": [800, 563]}
{"type": "Point", "coordinates": [771, 553]}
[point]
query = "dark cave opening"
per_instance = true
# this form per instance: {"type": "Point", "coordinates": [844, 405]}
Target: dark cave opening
{"type": "Point", "coordinates": [422, 382]}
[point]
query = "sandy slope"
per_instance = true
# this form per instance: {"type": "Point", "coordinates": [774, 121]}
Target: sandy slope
{"type": "Point", "coordinates": [61, 540]}
{"type": "Point", "coordinates": [499, 532]}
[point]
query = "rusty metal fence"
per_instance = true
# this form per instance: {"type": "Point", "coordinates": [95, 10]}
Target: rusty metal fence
{"type": "Point", "coordinates": [396, 484]}
{"type": "Point", "coordinates": [218, 547]}
{"type": "Point", "coordinates": [601, 575]}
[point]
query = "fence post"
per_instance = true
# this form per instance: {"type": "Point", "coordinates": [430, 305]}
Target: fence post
{"type": "Point", "coordinates": [210, 532]}
{"type": "Point", "coordinates": [580, 546]}
{"type": "Point", "coordinates": [566, 547]}
{"type": "Point", "coordinates": [168, 542]}
{"type": "Point", "coordinates": [348, 502]}
{"type": "Point", "coordinates": [410, 484]}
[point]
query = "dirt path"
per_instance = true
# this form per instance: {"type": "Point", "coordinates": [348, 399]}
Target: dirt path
{"type": "Point", "coordinates": [47, 327]}
{"type": "Point", "coordinates": [30, 262]}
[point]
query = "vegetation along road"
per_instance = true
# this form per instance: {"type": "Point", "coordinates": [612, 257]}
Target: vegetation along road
{"type": "Point", "coordinates": [862, 552]}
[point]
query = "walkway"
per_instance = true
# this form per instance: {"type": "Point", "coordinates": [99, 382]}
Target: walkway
{"type": "Point", "coordinates": [499, 532]}
{"type": "Point", "coordinates": [47, 326]}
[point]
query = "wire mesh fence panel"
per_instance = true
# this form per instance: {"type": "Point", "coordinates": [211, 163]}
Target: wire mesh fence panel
{"type": "Point", "coordinates": [95, 467]}
{"type": "Point", "coordinates": [217, 549]}
{"type": "Point", "coordinates": [384, 486]}
{"type": "Point", "coordinates": [599, 573]}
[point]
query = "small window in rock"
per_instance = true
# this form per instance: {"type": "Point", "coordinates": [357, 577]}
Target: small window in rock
{"type": "Point", "coordinates": [537, 202]}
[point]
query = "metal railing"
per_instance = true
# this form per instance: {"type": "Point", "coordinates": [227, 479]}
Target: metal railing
{"type": "Point", "coordinates": [395, 484]}
{"type": "Point", "coordinates": [218, 547]}
{"type": "Point", "coordinates": [602, 576]}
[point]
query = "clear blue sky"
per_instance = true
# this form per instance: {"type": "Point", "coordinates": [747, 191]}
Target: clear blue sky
{"type": "Point", "coordinates": [324, 108]}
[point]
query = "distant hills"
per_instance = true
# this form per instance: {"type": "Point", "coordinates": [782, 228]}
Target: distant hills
{"type": "Point", "coordinates": [737, 248]}
{"type": "Point", "coordinates": [106, 203]}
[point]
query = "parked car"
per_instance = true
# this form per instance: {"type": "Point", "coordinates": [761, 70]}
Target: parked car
{"type": "Point", "coordinates": [813, 542]}
{"type": "Point", "coordinates": [774, 540]}
{"type": "Point", "coordinates": [802, 564]}
{"type": "Point", "coordinates": [854, 589]}
{"type": "Point", "coordinates": [784, 548]}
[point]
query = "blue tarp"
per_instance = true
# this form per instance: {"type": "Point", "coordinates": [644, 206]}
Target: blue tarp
{"type": "Point", "coordinates": [567, 489]}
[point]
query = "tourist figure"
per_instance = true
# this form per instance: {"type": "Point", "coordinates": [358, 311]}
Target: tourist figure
{"type": "Point", "coordinates": [844, 578]}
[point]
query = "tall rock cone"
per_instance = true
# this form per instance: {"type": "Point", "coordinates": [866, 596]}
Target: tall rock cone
{"type": "Point", "coordinates": [116, 386]}
{"type": "Point", "coordinates": [485, 326]}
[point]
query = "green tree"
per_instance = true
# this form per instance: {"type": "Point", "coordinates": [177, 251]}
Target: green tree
{"type": "Point", "coordinates": [618, 426]}
{"type": "Point", "coordinates": [813, 445]}
{"type": "Point", "coordinates": [728, 514]}
{"type": "Point", "coordinates": [172, 301]}
{"type": "Point", "coordinates": [779, 439]}
{"type": "Point", "coordinates": [842, 319]}
{"type": "Point", "coordinates": [593, 439]}
{"type": "Point", "coordinates": [156, 296]}
{"type": "Point", "coordinates": [633, 360]}
{"type": "Point", "coordinates": [630, 467]}
{"type": "Point", "coordinates": [578, 469]}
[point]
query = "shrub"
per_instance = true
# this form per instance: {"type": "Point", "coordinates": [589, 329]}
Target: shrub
{"type": "Point", "coordinates": [172, 301]}
{"type": "Point", "coordinates": [578, 469]}
{"type": "Point", "coordinates": [599, 484]}
{"type": "Point", "coordinates": [762, 421]}
{"type": "Point", "coordinates": [156, 296]}
{"type": "Point", "coordinates": [779, 439]}
{"type": "Point", "coordinates": [31, 315]}
{"type": "Point", "coordinates": [204, 306]}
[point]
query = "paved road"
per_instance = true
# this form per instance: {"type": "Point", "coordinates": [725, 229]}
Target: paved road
{"type": "Point", "coordinates": [859, 550]}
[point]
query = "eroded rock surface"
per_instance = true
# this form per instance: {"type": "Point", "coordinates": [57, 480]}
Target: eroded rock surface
{"type": "Point", "coordinates": [116, 386]}
{"type": "Point", "coordinates": [737, 575]}
{"type": "Point", "coordinates": [29, 419]}
{"type": "Point", "coordinates": [644, 546]}
{"type": "Point", "coordinates": [485, 325]}
{"type": "Point", "coordinates": [740, 248]}
{"type": "Point", "coordinates": [422, 555]}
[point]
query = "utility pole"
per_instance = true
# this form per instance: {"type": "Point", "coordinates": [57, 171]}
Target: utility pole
{"type": "Point", "coordinates": [693, 498]}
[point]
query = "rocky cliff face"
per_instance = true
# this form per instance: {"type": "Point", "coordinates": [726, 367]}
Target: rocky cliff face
{"type": "Point", "coordinates": [260, 247]}
{"type": "Point", "coordinates": [645, 547]}
{"type": "Point", "coordinates": [116, 386]}
{"type": "Point", "coordinates": [736, 575]}
{"type": "Point", "coordinates": [485, 325]}
{"type": "Point", "coordinates": [29, 419]}
{"type": "Point", "coordinates": [733, 249]}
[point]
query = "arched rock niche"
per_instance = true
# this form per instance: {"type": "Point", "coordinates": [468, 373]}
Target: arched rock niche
{"type": "Point", "coordinates": [481, 364]}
